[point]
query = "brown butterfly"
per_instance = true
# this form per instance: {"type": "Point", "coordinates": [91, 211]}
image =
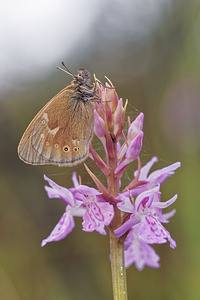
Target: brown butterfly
{"type": "Point", "coordinates": [62, 130]}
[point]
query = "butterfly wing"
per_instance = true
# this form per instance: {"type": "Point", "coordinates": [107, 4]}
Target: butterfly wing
{"type": "Point", "coordinates": [60, 133]}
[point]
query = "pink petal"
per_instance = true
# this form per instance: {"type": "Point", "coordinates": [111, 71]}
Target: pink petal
{"type": "Point", "coordinates": [99, 125]}
{"type": "Point", "coordinates": [132, 152]}
{"type": "Point", "coordinates": [166, 203]}
{"type": "Point", "coordinates": [159, 176]}
{"type": "Point", "coordinates": [57, 191]}
{"type": "Point", "coordinates": [97, 216]}
{"type": "Point", "coordinates": [146, 168]}
{"type": "Point", "coordinates": [144, 195]}
{"type": "Point", "coordinates": [61, 230]}
{"type": "Point", "coordinates": [140, 253]}
{"type": "Point", "coordinates": [118, 114]}
{"type": "Point", "coordinates": [86, 190]}
{"type": "Point", "coordinates": [125, 204]}
{"type": "Point", "coordinates": [135, 127]}
{"type": "Point", "coordinates": [151, 231]}
{"type": "Point", "coordinates": [164, 217]}
{"type": "Point", "coordinates": [75, 180]}
{"type": "Point", "coordinates": [134, 147]}
{"type": "Point", "coordinates": [131, 222]}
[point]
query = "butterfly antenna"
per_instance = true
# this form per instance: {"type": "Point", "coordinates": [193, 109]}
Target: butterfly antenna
{"type": "Point", "coordinates": [66, 71]}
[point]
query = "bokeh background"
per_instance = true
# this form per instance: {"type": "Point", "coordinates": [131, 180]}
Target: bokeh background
{"type": "Point", "coordinates": [150, 49]}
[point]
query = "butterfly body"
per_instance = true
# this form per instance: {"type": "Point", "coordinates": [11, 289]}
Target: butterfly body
{"type": "Point", "coordinates": [62, 130]}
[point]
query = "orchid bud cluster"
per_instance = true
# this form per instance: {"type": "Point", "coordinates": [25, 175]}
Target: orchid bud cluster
{"type": "Point", "coordinates": [138, 204]}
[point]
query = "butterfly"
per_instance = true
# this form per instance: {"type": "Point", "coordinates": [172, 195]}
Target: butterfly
{"type": "Point", "coordinates": [62, 130]}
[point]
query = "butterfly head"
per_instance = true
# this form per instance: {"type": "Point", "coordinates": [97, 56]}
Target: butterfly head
{"type": "Point", "coordinates": [83, 76]}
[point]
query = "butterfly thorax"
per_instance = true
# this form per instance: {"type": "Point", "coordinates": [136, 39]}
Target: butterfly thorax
{"type": "Point", "coordinates": [83, 89]}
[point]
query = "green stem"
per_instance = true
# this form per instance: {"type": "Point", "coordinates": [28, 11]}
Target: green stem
{"type": "Point", "coordinates": [117, 263]}
{"type": "Point", "coordinates": [116, 247]}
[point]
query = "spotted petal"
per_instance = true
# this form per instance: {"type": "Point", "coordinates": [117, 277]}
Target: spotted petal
{"type": "Point", "coordinates": [151, 231]}
{"type": "Point", "coordinates": [97, 216]}
{"type": "Point", "coordinates": [61, 230]}
{"type": "Point", "coordinates": [140, 253]}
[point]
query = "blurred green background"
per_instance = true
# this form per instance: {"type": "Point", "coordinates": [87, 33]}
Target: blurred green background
{"type": "Point", "coordinates": [151, 52]}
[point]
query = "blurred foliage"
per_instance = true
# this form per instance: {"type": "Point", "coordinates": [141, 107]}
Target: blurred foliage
{"type": "Point", "coordinates": [154, 75]}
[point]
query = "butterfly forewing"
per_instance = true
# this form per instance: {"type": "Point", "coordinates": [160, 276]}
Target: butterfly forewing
{"type": "Point", "coordinates": [60, 133]}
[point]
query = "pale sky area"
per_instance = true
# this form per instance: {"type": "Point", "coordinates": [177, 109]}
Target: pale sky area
{"type": "Point", "coordinates": [36, 35]}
